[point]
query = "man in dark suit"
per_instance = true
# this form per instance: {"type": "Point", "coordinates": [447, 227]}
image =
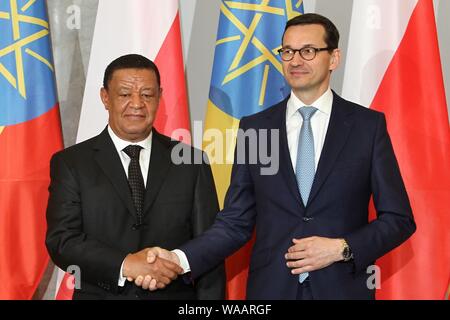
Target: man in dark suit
{"type": "Point", "coordinates": [115, 195]}
{"type": "Point", "coordinates": [313, 237]}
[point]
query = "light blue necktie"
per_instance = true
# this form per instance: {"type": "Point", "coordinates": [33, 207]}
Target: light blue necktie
{"type": "Point", "coordinates": [305, 166]}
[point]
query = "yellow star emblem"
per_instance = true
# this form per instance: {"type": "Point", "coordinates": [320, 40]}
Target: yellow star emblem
{"type": "Point", "coordinates": [20, 45]}
{"type": "Point", "coordinates": [268, 56]}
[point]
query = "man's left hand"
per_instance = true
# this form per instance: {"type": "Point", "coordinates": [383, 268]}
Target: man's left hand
{"type": "Point", "coordinates": [313, 253]}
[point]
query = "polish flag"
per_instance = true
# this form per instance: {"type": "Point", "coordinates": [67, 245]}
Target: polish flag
{"type": "Point", "coordinates": [147, 27]}
{"type": "Point", "coordinates": [394, 66]}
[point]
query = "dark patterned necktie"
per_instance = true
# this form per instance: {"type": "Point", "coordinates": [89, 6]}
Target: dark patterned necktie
{"type": "Point", "coordinates": [135, 180]}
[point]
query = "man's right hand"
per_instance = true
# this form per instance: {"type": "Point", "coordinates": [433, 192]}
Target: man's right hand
{"type": "Point", "coordinates": [155, 252]}
{"type": "Point", "coordinates": [161, 271]}
{"type": "Point", "coordinates": [152, 255]}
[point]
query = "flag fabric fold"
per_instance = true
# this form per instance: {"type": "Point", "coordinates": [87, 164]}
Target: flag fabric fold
{"type": "Point", "coordinates": [30, 132]}
{"type": "Point", "coordinates": [401, 75]}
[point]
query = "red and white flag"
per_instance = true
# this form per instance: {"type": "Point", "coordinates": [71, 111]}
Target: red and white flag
{"type": "Point", "coordinates": [147, 27]}
{"type": "Point", "coordinates": [394, 66]}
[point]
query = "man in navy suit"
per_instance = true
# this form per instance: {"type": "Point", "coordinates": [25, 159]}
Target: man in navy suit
{"type": "Point", "coordinates": [313, 237]}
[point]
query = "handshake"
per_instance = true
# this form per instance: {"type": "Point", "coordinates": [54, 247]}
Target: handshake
{"type": "Point", "coordinates": [152, 268]}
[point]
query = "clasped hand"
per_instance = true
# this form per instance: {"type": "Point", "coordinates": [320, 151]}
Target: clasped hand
{"type": "Point", "coordinates": [313, 253]}
{"type": "Point", "coordinates": [152, 268]}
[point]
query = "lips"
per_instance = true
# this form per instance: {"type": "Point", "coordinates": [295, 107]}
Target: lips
{"type": "Point", "coordinates": [298, 72]}
{"type": "Point", "coordinates": [134, 116]}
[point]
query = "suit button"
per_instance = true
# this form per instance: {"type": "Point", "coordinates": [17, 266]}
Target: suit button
{"type": "Point", "coordinates": [307, 219]}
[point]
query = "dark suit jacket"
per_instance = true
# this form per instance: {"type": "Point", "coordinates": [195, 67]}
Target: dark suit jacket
{"type": "Point", "coordinates": [91, 215]}
{"type": "Point", "coordinates": [357, 161]}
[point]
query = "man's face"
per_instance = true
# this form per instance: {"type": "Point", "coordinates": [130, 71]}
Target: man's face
{"type": "Point", "coordinates": [132, 99]}
{"type": "Point", "coordinates": [308, 77]}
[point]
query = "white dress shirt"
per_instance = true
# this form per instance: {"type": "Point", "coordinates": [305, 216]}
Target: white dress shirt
{"type": "Point", "coordinates": [144, 156]}
{"type": "Point", "coordinates": [319, 124]}
{"type": "Point", "coordinates": [144, 162]}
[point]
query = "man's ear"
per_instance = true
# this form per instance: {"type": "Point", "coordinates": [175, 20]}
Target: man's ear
{"type": "Point", "coordinates": [335, 59]}
{"type": "Point", "coordinates": [105, 97]}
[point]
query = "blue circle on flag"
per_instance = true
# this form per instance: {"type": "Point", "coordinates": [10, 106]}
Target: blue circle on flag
{"type": "Point", "coordinates": [27, 86]}
{"type": "Point", "coordinates": [247, 73]}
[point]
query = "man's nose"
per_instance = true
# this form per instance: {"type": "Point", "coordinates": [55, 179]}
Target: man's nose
{"type": "Point", "coordinates": [297, 59]}
{"type": "Point", "coordinates": [136, 100]}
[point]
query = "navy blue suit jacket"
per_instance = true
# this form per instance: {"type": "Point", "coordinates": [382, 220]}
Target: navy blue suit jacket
{"type": "Point", "coordinates": [357, 161]}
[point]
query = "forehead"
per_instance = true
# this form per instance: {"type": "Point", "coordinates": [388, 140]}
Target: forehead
{"type": "Point", "coordinates": [305, 34]}
{"type": "Point", "coordinates": [132, 75]}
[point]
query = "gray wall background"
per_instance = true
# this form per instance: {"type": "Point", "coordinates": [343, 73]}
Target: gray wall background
{"type": "Point", "coordinates": [199, 19]}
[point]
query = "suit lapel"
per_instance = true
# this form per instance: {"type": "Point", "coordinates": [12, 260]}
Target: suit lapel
{"type": "Point", "coordinates": [278, 120]}
{"type": "Point", "coordinates": [337, 134]}
{"type": "Point", "coordinates": [109, 162]}
{"type": "Point", "coordinates": [160, 163]}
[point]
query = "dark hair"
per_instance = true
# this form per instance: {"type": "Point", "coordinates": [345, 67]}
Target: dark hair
{"type": "Point", "coordinates": [331, 32]}
{"type": "Point", "coordinates": [130, 61]}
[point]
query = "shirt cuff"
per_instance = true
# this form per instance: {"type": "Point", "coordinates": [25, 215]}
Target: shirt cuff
{"type": "Point", "coordinates": [183, 260]}
{"type": "Point", "coordinates": [122, 279]}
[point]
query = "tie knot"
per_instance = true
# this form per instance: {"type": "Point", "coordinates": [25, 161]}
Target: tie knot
{"type": "Point", "coordinates": [133, 151]}
{"type": "Point", "coordinates": [307, 112]}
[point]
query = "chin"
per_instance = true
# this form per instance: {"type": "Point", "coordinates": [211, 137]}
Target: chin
{"type": "Point", "coordinates": [136, 130]}
{"type": "Point", "coordinates": [298, 83]}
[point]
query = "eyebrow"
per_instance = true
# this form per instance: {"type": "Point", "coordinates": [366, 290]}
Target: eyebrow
{"type": "Point", "coordinates": [125, 87]}
{"type": "Point", "coordinates": [304, 46]}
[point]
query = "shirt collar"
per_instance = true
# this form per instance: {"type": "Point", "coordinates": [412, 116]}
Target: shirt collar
{"type": "Point", "coordinates": [323, 103]}
{"type": "Point", "coordinates": [120, 144]}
